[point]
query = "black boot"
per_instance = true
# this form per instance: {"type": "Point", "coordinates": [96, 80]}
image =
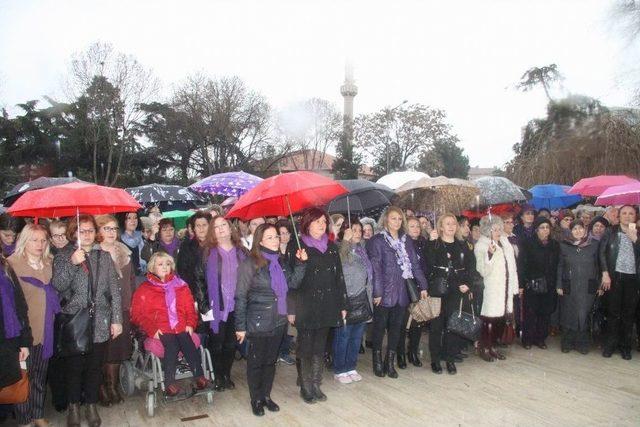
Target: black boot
{"type": "Point", "coordinates": [451, 368]}
{"type": "Point", "coordinates": [317, 379]}
{"type": "Point", "coordinates": [378, 369]}
{"type": "Point", "coordinates": [228, 363]}
{"type": "Point", "coordinates": [299, 378]}
{"type": "Point", "coordinates": [389, 364]}
{"type": "Point", "coordinates": [218, 372]}
{"type": "Point", "coordinates": [401, 353]}
{"type": "Point", "coordinates": [414, 349]}
{"type": "Point", "coordinates": [402, 361]}
{"type": "Point", "coordinates": [306, 380]}
{"type": "Point", "coordinates": [436, 368]}
{"type": "Point", "coordinates": [257, 407]}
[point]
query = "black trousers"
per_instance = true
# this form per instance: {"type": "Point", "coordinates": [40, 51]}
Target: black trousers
{"type": "Point", "coordinates": [312, 342]}
{"type": "Point", "coordinates": [222, 347]}
{"type": "Point", "coordinates": [84, 374]}
{"type": "Point", "coordinates": [387, 319]}
{"type": "Point", "coordinates": [414, 332]}
{"type": "Point", "coordinates": [57, 382]}
{"type": "Point", "coordinates": [173, 344]}
{"type": "Point", "coordinates": [442, 344]}
{"type": "Point", "coordinates": [622, 300]}
{"type": "Point", "coordinates": [33, 408]}
{"type": "Point", "coordinates": [262, 355]}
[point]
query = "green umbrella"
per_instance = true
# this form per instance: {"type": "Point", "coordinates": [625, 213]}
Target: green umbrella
{"type": "Point", "coordinates": [179, 218]}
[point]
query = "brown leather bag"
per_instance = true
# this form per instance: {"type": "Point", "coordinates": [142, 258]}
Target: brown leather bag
{"type": "Point", "coordinates": [17, 392]}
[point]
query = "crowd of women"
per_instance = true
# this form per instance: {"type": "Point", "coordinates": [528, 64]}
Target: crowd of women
{"type": "Point", "coordinates": [337, 282]}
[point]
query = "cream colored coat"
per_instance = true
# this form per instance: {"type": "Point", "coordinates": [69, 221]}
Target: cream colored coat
{"type": "Point", "coordinates": [494, 273]}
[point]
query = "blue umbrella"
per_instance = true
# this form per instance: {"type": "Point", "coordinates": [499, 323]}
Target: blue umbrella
{"type": "Point", "coordinates": [552, 196]}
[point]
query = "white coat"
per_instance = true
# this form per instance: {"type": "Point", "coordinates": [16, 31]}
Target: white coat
{"type": "Point", "coordinates": [494, 272]}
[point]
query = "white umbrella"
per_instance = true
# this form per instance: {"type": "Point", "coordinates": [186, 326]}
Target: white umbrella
{"type": "Point", "coordinates": [397, 179]}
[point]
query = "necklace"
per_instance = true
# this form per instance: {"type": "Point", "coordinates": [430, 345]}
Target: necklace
{"type": "Point", "coordinates": [36, 265]}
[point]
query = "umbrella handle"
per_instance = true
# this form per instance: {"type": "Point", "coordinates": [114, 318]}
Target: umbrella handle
{"type": "Point", "coordinates": [78, 225]}
{"type": "Point", "coordinates": [348, 211]}
{"type": "Point", "coordinates": [293, 223]}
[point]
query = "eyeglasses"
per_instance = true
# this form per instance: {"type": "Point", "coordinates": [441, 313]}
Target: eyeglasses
{"type": "Point", "coordinates": [58, 236]}
{"type": "Point", "coordinates": [110, 229]}
{"type": "Point", "coordinates": [543, 227]}
{"type": "Point", "coordinates": [87, 231]}
{"type": "Point", "coordinates": [285, 233]}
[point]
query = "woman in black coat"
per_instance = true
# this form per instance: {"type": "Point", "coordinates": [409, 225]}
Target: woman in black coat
{"type": "Point", "coordinates": [577, 284]}
{"type": "Point", "coordinates": [448, 259]}
{"type": "Point", "coordinates": [320, 299]}
{"type": "Point", "coordinates": [15, 333]}
{"type": "Point", "coordinates": [261, 311]}
{"type": "Point", "coordinates": [537, 271]}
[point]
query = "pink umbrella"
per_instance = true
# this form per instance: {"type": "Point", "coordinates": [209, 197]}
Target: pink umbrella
{"type": "Point", "coordinates": [596, 185]}
{"type": "Point", "coordinates": [627, 194]}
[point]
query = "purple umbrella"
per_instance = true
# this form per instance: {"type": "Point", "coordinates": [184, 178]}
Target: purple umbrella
{"type": "Point", "coordinates": [227, 184]}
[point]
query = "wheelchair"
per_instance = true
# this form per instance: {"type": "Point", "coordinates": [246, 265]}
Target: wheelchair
{"type": "Point", "coordinates": [144, 372]}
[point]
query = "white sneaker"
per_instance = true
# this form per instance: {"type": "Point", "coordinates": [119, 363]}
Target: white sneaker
{"type": "Point", "coordinates": [355, 376]}
{"type": "Point", "coordinates": [343, 378]}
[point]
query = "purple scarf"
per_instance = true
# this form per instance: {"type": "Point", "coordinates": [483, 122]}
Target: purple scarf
{"type": "Point", "coordinates": [362, 253]}
{"type": "Point", "coordinates": [52, 306]}
{"type": "Point", "coordinates": [171, 247]}
{"type": "Point", "coordinates": [222, 293]}
{"type": "Point", "coordinates": [8, 250]}
{"type": "Point", "coordinates": [320, 244]}
{"type": "Point", "coordinates": [12, 326]}
{"type": "Point", "coordinates": [278, 281]}
{"type": "Point", "coordinates": [169, 296]}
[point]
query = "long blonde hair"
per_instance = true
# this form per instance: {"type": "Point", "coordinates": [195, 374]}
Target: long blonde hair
{"type": "Point", "coordinates": [26, 233]}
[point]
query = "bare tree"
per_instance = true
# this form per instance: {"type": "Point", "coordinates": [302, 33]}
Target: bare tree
{"type": "Point", "coordinates": [313, 127]}
{"type": "Point", "coordinates": [134, 84]}
{"type": "Point", "coordinates": [229, 123]}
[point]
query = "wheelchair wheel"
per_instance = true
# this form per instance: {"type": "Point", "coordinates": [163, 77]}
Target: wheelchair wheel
{"type": "Point", "coordinates": [151, 404]}
{"type": "Point", "coordinates": [127, 378]}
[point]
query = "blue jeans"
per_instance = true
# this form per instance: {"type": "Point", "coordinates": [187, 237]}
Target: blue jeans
{"type": "Point", "coordinates": [346, 344]}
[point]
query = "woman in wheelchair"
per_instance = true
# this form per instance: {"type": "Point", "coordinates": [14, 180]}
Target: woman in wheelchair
{"type": "Point", "coordinates": [164, 309]}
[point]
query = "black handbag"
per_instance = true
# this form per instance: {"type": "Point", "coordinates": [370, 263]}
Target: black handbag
{"type": "Point", "coordinates": [466, 325]}
{"type": "Point", "coordinates": [359, 308]}
{"type": "Point", "coordinates": [537, 286]}
{"type": "Point", "coordinates": [412, 290]}
{"type": "Point", "coordinates": [73, 333]}
{"type": "Point", "coordinates": [438, 286]}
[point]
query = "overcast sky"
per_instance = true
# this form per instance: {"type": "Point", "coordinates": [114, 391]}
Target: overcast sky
{"type": "Point", "coordinates": [461, 56]}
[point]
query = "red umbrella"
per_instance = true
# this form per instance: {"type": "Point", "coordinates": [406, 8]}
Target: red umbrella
{"type": "Point", "coordinates": [285, 194]}
{"type": "Point", "coordinates": [628, 194]}
{"type": "Point", "coordinates": [596, 185]}
{"type": "Point", "coordinates": [73, 199]}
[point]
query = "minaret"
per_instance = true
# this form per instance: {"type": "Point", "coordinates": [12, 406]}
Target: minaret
{"type": "Point", "coordinates": [348, 90]}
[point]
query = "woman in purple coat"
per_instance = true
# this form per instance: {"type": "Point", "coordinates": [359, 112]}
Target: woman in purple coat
{"type": "Point", "coordinates": [394, 260]}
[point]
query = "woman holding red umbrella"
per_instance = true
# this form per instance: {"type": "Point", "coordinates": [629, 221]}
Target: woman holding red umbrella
{"type": "Point", "coordinates": [320, 299]}
{"type": "Point", "coordinates": [75, 269]}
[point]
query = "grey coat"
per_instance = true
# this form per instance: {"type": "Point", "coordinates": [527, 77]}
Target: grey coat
{"type": "Point", "coordinates": [72, 284]}
{"type": "Point", "coordinates": [578, 278]}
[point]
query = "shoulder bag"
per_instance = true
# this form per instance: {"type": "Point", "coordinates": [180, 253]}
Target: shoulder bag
{"type": "Point", "coordinates": [424, 310]}
{"type": "Point", "coordinates": [17, 392]}
{"type": "Point", "coordinates": [73, 333]}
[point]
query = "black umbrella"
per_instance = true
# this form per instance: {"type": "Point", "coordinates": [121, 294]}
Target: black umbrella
{"type": "Point", "coordinates": [156, 193]}
{"type": "Point", "coordinates": [363, 198]}
{"type": "Point", "coordinates": [37, 184]}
